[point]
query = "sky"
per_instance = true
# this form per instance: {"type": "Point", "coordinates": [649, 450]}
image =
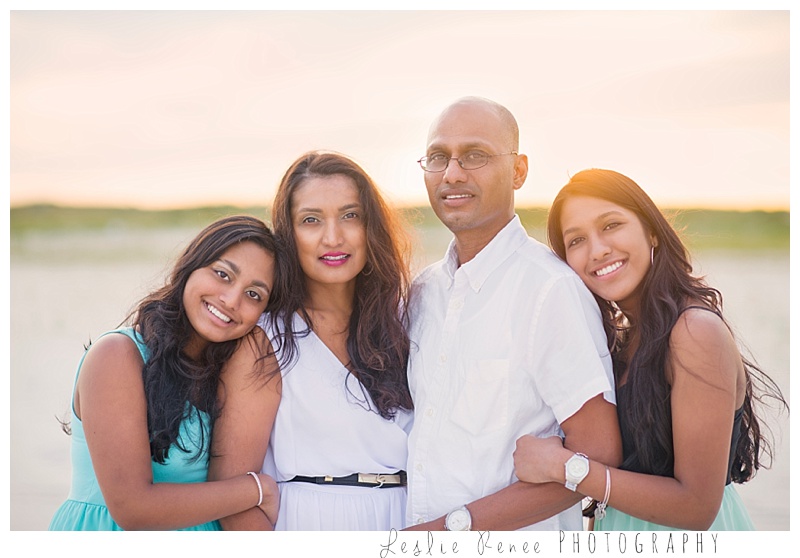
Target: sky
{"type": "Point", "coordinates": [161, 109]}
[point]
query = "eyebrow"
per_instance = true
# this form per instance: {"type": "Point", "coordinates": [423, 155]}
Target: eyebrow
{"type": "Point", "coordinates": [472, 144]}
{"type": "Point", "coordinates": [236, 269]}
{"type": "Point", "coordinates": [600, 217]}
{"type": "Point", "coordinates": [356, 205]}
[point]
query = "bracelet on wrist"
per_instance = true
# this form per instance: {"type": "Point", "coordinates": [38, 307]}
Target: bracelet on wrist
{"type": "Point", "coordinates": [260, 490]}
{"type": "Point", "coordinates": [600, 510]}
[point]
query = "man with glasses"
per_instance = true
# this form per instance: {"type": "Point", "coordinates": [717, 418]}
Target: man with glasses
{"type": "Point", "coordinates": [506, 341]}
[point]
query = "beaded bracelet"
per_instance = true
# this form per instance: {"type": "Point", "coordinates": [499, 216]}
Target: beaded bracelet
{"type": "Point", "coordinates": [260, 491]}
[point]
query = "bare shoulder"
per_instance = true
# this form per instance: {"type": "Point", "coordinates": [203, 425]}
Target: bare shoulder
{"type": "Point", "coordinates": [111, 371]}
{"type": "Point", "coordinates": [702, 346]}
{"type": "Point", "coordinates": [700, 328]}
{"type": "Point", "coordinates": [113, 353]}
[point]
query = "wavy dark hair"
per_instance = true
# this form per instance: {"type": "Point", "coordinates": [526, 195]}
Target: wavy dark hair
{"type": "Point", "coordinates": [667, 290]}
{"type": "Point", "coordinates": [175, 385]}
{"type": "Point", "coordinates": [377, 340]}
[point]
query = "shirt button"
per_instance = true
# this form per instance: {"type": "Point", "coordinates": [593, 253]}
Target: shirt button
{"type": "Point", "coordinates": [420, 521]}
{"type": "Point", "coordinates": [442, 358]}
{"type": "Point", "coordinates": [429, 412]}
{"type": "Point", "coordinates": [419, 467]}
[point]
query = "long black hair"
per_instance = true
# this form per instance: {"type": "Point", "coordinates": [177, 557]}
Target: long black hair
{"type": "Point", "coordinates": [377, 341]}
{"type": "Point", "coordinates": [175, 385]}
{"type": "Point", "coordinates": [668, 288]}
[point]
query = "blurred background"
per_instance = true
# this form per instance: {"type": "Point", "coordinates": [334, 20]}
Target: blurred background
{"type": "Point", "coordinates": [131, 130]}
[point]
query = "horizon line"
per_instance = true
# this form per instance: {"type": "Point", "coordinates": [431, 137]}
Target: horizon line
{"type": "Point", "coordinates": [406, 205]}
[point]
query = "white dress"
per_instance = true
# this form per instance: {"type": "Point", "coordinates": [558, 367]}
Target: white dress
{"type": "Point", "coordinates": [324, 426]}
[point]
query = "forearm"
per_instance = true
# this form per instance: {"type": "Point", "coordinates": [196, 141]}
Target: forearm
{"type": "Point", "coordinates": [635, 493]}
{"type": "Point", "coordinates": [516, 506]}
{"type": "Point", "coordinates": [169, 506]}
{"type": "Point", "coordinates": [519, 505]}
{"type": "Point", "coordinates": [253, 519]}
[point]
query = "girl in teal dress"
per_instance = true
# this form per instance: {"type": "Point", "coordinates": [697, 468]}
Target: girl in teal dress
{"type": "Point", "coordinates": [146, 396]}
{"type": "Point", "coordinates": [686, 396]}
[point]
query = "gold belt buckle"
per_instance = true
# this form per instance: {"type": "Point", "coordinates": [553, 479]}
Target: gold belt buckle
{"type": "Point", "coordinates": [379, 479]}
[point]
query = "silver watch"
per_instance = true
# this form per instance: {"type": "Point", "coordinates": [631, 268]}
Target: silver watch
{"type": "Point", "coordinates": [576, 467]}
{"type": "Point", "coordinates": [458, 520]}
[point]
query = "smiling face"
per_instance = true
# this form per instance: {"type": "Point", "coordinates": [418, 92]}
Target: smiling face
{"type": "Point", "coordinates": [329, 231]}
{"type": "Point", "coordinates": [608, 247]}
{"type": "Point", "coordinates": [480, 201]}
{"type": "Point", "coordinates": [224, 300]}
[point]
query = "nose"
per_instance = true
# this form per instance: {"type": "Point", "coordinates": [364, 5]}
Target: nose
{"type": "Point", "coordinates": [453, 173]}
{"type": "Point", "coordinates": [332, 234]}
{"type": "Point", "coordinates": [599, 249]}
{"type": "Point", "coordinates": [231, 297]}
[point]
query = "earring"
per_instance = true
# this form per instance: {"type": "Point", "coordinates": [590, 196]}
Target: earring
{"type": "Point", "coordinates": [652, 254]}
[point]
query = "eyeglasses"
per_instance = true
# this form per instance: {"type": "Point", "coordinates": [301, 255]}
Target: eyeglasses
{"type": "Point", "coordinates": [468, 161]}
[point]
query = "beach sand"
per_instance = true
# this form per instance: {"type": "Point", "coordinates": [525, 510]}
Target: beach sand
{"type": "Point", "coordinates": [70, 287]}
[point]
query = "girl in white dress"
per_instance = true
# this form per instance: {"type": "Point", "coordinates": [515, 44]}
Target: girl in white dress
{"type": "Point", "coordinates": [338, 446]}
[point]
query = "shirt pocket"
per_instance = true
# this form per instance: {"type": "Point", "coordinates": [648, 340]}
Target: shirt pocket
{"type": "Point", "coordinates": [482, 406]}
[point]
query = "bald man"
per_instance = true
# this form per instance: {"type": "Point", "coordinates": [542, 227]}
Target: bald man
{"type": "Point", "coordinates": [506, 341]}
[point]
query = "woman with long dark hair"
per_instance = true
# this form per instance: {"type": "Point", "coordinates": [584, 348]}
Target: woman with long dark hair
{"type": "Point", "coordinates": [686, 396]}
{"type": "Point", "coordinates": [147, 395]}
{"type": "Point", "coordinates": [338, 326]}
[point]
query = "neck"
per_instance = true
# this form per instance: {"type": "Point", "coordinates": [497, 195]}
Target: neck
{"type": "Point", "coordinates": [469, 242]}
{"type": "Point", "coordinates": [329, 308]}
{"type": "Point", "coordinates": [469, 245]}
{"type": "Point", "coordinates": [331, 299]}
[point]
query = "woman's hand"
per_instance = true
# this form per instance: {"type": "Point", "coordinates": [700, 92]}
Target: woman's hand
{"type": "Point", "coordinates": [272, 498]}
{"type": "Point", "coordinates": [538, 460]}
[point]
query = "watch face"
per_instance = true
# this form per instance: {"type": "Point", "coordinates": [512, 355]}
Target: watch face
{"type": "Point", "coordinates": [577, 467]}
{"type": "Point", "coordinates": [458, 520]}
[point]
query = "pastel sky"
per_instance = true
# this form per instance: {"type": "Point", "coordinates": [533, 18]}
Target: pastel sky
{"type": "Point", "coordinates": [179, 108]}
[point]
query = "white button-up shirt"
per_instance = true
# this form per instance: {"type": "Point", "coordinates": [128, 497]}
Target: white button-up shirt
{"type": "Point", "coordinates": [510, 343]}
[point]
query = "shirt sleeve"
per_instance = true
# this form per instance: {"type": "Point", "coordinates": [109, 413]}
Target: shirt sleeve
{"type": "Point", "coordinates": [568, 348]}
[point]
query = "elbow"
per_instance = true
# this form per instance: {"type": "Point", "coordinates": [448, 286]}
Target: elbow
{"type": "Point", "coordinates": [698, 522]}
{"type": "Point", "coordinates": [126, 520]}
{"type": "Point", "coordinates": [704, 524]}
{"type": "Point", "coordinates": [698, 513]}
{"type": "Point", "coordinates": [703, 516]}
{"type": "Point", "coordinates": [129, 517]}
{"type": "Point", "coordinates": [229, 523]}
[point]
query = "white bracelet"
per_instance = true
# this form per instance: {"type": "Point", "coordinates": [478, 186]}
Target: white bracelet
{"type": "Point", "coordinates": [600, 510]}
{"type": "Point", "coordinates": [260, 491]}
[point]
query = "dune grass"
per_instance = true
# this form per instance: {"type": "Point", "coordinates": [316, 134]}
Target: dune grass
{"type": "Point", "coordinates": [700, 228]}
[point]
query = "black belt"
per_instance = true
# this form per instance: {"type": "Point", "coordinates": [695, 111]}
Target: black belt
{"type": "Point", "coordinates": [371, 480]}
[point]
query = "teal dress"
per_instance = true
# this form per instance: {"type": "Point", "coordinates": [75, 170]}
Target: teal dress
{"type": "Point", "coordinates": [732, 515]}
{"type": "Point", "coordinates": [85, 508]}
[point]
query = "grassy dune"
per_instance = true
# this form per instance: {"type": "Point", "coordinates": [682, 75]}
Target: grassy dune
{"type": "Point", "coordinates": [700, 228]}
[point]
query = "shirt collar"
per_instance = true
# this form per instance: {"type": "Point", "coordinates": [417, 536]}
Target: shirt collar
{"type": "Point", "coordinates": [506, 242]}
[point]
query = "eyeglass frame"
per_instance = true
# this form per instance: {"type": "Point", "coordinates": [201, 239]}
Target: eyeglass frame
{"type": "Point", "coordinates": [461, 164]}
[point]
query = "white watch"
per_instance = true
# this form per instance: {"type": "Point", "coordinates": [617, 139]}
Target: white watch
{"type": "Point", "coordinates": [576, 467]}
{"type": "Point", "coordinates": [458, 520]}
